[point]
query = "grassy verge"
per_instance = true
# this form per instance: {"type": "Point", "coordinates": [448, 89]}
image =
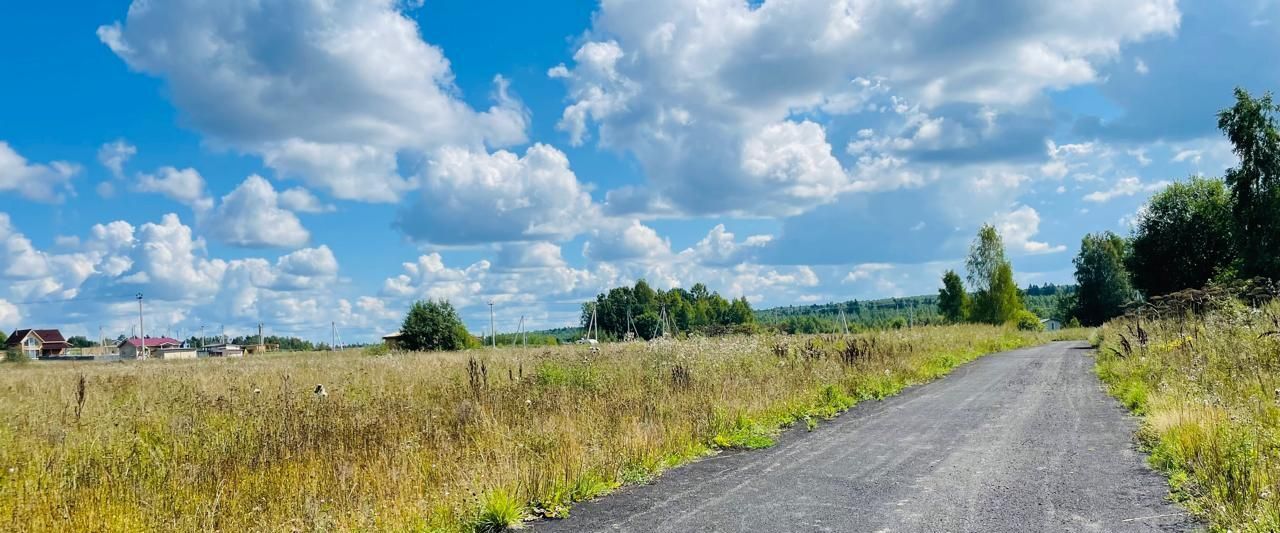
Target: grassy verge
{"type": "Point", "coordinates": [474, 441]}
{"type": "Point", "coordinates": [1208, 390]}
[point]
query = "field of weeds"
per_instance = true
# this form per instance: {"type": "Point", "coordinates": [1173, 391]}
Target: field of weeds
{"type": "Point", "coordinates": [468, 441]}
{"type": "Point", "coordinates": [1208, 389]}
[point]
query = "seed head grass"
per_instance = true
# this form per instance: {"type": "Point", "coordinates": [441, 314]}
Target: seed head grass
{"type": "Point", "coordinates": [1208, 390]}
{"type": "Point", "coordinates": [450, 442]}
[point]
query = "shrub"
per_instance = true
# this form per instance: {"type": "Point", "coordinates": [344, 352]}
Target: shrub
{"type": "Point", "coordinates": [433, 326]}
{"type": "Point", "coordinates": [15, 355]}
{"type": "Point", "coordinates": [1027, 321]}
{"type": "Point", "coordinates": [499, 511]}
{"type": "Point", "coordinates": [377, 349]}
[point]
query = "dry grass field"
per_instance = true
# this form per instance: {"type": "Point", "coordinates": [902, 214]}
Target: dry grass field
{"type": "Point", "coordinates": [467, 441]}
{"type": "Point", "coordinates": [1208, 388]}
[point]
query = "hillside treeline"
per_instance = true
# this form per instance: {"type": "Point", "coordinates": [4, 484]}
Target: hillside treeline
{"type": "Point", "coordinates": [890, 313]}
{"type": "Point", "coordinates": [639, 310]}
{"type": "Point", "coordinates": [1195, 232]}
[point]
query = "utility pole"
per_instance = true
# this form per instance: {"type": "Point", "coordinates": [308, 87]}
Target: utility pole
{"type": "Point", "coordinates": [142, 338]}
{"type": "Point", "coordinates": [493, 332]}
{"type": "Point", "coordinates": [202, 335]}
{"type": "Point", "coordinates": [263, 346]}
{"type": "Point", "coordinates": [333, 335]}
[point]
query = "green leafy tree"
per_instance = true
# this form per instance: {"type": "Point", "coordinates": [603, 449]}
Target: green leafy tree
{"type": "Point", "coordinates": [1182, 238]}
{"type": "Point", "coordinates": [995, 294]}
{"type": "Point", "coordinates": [692, 310]}
{"type": "Point", "coordinates": [953, 301]}
{"type": "Point", "coordinates": [1250, 126]}
{"type": "Point", "coordinates": [79, 341]}
{"type": "Point", "coordinates": [1104, 286]}
{"type": "Point", "coordinates": [740, 312]}
{"type": "Point", "coordinates": [986, 254]}
{"type": "Point", "coordinates": [432, 325]}
{"type": "Point", "coordinates": [3, 337]}
{"type": "Point", "coordinates": [1003, 303]}
{"type": "Point", "coordinates": [1064, 309]}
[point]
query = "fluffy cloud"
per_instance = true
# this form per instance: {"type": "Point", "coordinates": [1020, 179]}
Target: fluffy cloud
{"type": "Point", "coordinates": [330, 98]}
{"type": "Point", "coordinates": [865, 271]}
{"type": "Point", "coordinates": [679, 85]}
{"type": "Point", "coordinates": [539, 254]}
{"type": "Point", "coordinates": [301, 200]}
{"type": "Point", "coordinates": [719, 248]}
{"type": "Point", "coordinates": [473, 197]}
{"type": "Point", "coordinates": [618, 239]}
{"type": "Point", "coordinates": [93, 283]}
{"type": "Point", "coordinates": [1018, 226]}
{"type": "Point", "coordinates": [1127, 186]}
{"type": "Point", "coordinates": [251, 216]}
{"type": "Point", "coordinates": [115, 154]}
{"type": "Point", "coordinates": [9, 316]}
{"type": "Point", "coordinates": [788, 163]}
{"type": "Point", "coordinates": [532, 280]}
{"type": "Point", "coordinates": [185, 186]}
{"type": "Point", "coordinates": [34, 181]}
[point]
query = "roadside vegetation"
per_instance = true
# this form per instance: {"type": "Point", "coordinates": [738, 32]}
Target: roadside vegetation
{"type": "Point", "coordinates": [478, 440]}
{"type": "Point", "coordinates": [1193, 338]}
{"type": "Point", "coordinates": [1208, 388]}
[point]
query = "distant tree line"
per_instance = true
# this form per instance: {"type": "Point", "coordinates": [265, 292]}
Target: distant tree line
{"type": "Point", "coordinates": [1193, 232]}
{"type": "Point", "coordinates": [638, 310]}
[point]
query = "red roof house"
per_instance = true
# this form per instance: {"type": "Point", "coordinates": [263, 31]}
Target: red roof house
{"type": "Point", "coordinates": [38, 342]}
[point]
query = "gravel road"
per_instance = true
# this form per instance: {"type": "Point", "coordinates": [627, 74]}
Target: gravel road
{"type": "Point", "coordinates": [1025, 440]}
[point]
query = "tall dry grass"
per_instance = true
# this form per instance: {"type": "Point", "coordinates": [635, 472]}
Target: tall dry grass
{"type": "Point", "coordinates": [1208, 388]}
{"type": "Point", "coordinates": [469, 441]}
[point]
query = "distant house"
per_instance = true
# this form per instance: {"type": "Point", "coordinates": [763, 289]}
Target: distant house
{"type": "Point", "coordinates": [175, 352]}
{"type": "Point", "coordinates": [223, 350]}
{"type": "Point", "coordinates": [1051, 324]}
{"type": "Point", "coordinates": [38, 343]}
{"type": "Point", "coordinates": [393, 340]}
{"type": "Point", "coordinates": [132, 348]}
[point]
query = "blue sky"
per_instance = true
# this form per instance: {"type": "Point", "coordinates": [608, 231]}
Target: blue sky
{"type": "Point", "coordinates": [300, 163]}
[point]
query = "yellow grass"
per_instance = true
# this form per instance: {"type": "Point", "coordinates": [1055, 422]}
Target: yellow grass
{"type": "Point", "coordinates": [1209, 390]}
{"type": "Point", "coordinates": [427, 442]}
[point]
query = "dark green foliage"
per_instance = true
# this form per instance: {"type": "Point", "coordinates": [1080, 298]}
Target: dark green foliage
{"type": "Point", "coordinates": [953, 301]}
{"type": "Point", "coordinates": [638, 309]}
{"type": "Point", "coordinates": [3, 337]}
{"type": "Point", "coordinates": [1064, 308]}
{"type": "Point", "coordinates": [881, 314]}
{"type": "Point", "coordinates": [79, 341]}
{"type": "Point", "coordinates": [15, 355]}
{"type": "Point", "coordinates": [1250, 125]}
{"type": "Point", "coordinates": [286, 344]}
{"type": "Point", "coordinates": [433, 325]}
{"type": "Point", "coordinates": [1104, 286]}
{"type": "Point", "coordinates": [1183, 238]}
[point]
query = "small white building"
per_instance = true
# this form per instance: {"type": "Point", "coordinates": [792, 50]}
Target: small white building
{"type": "Point", "coordinates": [177, 352]}
{"type": "Point", "coordinates": [222, 350]}
{"type": "Point", "coordinates": [1051, 324]}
